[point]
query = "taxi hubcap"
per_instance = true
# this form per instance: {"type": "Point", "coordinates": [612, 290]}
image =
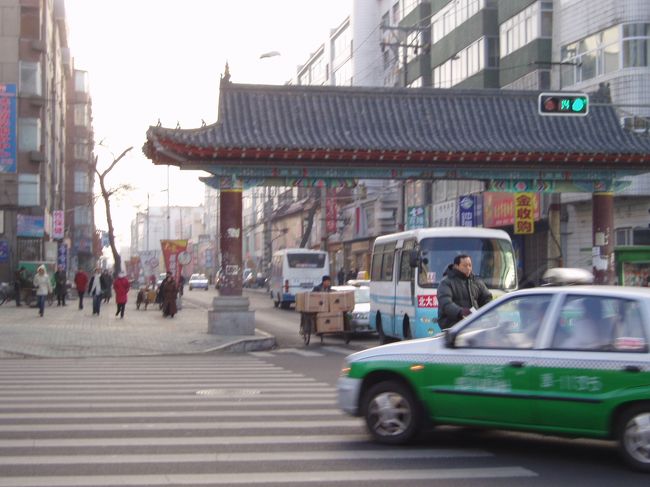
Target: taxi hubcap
{"type": "Point", "coordinates": [637, 437]}
{"type": "Point", "coordinates": [389, 414]}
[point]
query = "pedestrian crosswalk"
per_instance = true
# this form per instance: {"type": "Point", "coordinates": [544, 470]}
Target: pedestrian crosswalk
{"type": "Point", "coordinates": [200, 420]}
{"type": "Point", "coordinates": [321, 352]}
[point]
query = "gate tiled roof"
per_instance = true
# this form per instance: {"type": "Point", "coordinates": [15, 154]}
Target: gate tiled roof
{"type": "Point", "coordinates": [272, 119]}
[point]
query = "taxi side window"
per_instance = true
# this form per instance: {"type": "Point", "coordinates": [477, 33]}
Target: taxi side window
{"type": "Point", "coordinates": [513, 324]}
{"type": "Point", "coordinates": [600, 323]}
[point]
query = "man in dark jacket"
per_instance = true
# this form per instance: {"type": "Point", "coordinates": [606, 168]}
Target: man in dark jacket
{"type": "Point", "coordinates": [460, 292]}
{"type": "Point", "coordinates": [325, 286]}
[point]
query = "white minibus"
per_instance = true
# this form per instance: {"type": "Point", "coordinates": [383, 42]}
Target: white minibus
{"type": "Point", "coordinates": [296, 270]}
{"type": "Point", "coordinates": [407, 267]}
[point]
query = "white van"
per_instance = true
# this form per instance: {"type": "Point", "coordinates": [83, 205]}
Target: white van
{"type": "Point", "coordinates": [296, 270]}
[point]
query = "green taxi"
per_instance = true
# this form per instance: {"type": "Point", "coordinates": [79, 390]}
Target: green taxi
{"type": "Point", "coordinates": [570, 361]}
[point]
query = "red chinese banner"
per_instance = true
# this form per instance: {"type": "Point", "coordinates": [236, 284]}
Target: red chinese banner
{"type": "Point", "coordinates": [175, 255]}
{"type": "Point", "coordinates": [524, 213]}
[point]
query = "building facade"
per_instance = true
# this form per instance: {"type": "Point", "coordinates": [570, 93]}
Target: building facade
{"type": "Point", "coordinates": [46, 141]}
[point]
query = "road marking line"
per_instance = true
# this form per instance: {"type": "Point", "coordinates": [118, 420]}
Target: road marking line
{"type": "Point", "coordinates": [325, 423]}
{"type": "Point", "coordinates": [339, 350]}
{"type": "Point", "coordinates": [392, 454]}
{"type": "Point", "coordinates": [267, 477]}
{"type": "Point", "coordinates": [54, 400]}
{"type": "Point", "coordinates": [83, 406]}
{"type": "Point", "coordinates": [175, 414]}
{"type": "Point", "coordinates": [297, 351]}
{"type": "Point", "coordinates": [181, 441]}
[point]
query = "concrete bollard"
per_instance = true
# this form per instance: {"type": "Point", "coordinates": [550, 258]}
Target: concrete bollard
{"type": "Point", "coordinates": [230, 315]}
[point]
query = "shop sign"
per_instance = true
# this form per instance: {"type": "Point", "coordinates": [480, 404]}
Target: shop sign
{"type": "Point", "coordinates": [524, 213]}
{"type": "Point", "coordinates": [58, 224]}
{"type": "Point", "coordinates": [499, 209]}
{"type": "Point", "coordinates": [470, 210]}
{"type": "Point", "coordinates": [30, 226]}
{"type": "Point", "coordinates": [416, 217]}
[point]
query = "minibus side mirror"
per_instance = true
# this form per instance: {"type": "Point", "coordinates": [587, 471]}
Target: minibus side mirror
{"type": "Point", "coordinates": [414, 258]}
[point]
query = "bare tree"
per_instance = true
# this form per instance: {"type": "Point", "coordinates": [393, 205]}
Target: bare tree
{"type": "Point", "coordinates": [106, 194]}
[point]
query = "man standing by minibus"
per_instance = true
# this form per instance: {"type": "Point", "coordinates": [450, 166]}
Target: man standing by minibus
{"type": "Point", "coordinates": [460, 292]}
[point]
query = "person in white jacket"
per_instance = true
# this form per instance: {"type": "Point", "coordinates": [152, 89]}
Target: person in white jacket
{"type": "Point", "coordinates": [43, 287]}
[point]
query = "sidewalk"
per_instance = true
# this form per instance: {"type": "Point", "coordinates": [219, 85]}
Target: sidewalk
{"type": "Point", "coordinates": [67, 331]}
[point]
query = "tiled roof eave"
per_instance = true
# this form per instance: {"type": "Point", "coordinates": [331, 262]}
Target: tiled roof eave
{"type": "Point", "coordinates": [179, 152]}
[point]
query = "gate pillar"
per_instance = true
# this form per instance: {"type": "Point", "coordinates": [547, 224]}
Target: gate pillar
{"type": "Point", "coordinates": [603, 237]}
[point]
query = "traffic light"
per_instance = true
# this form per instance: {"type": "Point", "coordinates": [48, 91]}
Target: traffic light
{"type": "Point", "coordinates": [563, 104]}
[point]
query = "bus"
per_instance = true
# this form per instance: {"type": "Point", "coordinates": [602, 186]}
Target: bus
{"type": "Point", "coordinates": [406, 268]}
{"type": "Point", "coordinates": [296, 270]}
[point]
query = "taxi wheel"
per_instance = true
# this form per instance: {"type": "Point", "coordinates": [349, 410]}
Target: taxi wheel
{"type": "Point", "coordinates": [393, 415]}
{"type": "Point", "coordinates": [634, 437]}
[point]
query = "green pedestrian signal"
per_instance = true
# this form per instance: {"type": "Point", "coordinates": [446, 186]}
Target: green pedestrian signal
{"type": "Point", "coordinates": [563, 104]}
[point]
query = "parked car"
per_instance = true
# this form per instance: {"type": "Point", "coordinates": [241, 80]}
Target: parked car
{"type": "Point", "coordinates": [198, 281]}
{"type": "Point", "coordinates": [359, 319]}
{"type": "Point", "coordinates": [570, 361]}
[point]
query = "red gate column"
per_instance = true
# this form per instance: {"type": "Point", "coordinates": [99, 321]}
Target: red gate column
{"type": "Point", "coordinates": [230, 222]}
{"type": "Point", "coordinates": [603, 237]}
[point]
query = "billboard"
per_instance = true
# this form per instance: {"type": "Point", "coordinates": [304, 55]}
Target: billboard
{"type": "Point", "coordinates": [7, 128]}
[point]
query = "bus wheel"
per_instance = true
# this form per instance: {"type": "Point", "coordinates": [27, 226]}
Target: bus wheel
{"type": "Point", "coordinates": [380, 332]}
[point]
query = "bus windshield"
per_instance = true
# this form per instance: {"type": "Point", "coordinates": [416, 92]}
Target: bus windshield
{"type": "Point", "coordinates": [492, 259]}
{"type": "Point", "coordinates": [306, 261]}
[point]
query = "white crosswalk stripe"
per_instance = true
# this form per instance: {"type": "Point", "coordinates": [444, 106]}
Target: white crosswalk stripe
{"type": "Point", "coordinates": [198, 421]}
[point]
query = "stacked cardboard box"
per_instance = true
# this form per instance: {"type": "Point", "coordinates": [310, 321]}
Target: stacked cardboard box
{"type": "Point", "coordinates": [328, 306]}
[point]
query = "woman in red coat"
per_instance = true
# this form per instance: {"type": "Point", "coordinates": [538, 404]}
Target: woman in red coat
{"type": "Point", "coordinates": [121, 286]}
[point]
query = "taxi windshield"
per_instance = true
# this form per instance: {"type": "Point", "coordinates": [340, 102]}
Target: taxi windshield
{"type": "Point", "coordinates": [492, 259]}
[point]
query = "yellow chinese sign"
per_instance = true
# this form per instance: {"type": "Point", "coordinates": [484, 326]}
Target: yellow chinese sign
{"type": "Point", "coordinates": [524, 213]}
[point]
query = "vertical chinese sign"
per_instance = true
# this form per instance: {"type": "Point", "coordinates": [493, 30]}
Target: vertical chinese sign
{"type": "Point", "coordinates": [58, 224]}
{"type": "Point", "coordinates": [524, 213]}
{"type": "Point", "coordinates": [7, 128]}
{"type": "Point", "coordinates": [330, 211]}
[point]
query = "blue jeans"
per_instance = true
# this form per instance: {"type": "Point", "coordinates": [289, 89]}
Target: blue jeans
{"type": "Point", "coordinates": [41, 303]}
{"type": "Point", "coordinates": [97, 301]}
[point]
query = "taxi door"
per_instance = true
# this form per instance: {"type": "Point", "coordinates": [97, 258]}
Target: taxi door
{"type": "Point", "coordinates": [485, 378]}
{"type": "Point", "coordinates": [589, 367]}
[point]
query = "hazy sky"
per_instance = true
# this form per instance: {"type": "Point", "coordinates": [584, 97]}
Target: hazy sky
{"type": "Point", "coordinates": [151, 60]}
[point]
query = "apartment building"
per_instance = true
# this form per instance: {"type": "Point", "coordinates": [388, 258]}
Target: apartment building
{"type": "Point", "coordinates": [46, 143]}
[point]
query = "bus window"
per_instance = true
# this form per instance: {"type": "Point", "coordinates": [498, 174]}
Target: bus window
{"type": "Point", "coordinates": [388, 261]}
{"type": "Point", "coordinates": [405, 269]}
{"type": "Point", "coordinates": [375, 268]}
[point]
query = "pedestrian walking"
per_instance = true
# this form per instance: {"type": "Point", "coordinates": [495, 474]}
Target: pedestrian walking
{"type": "Point", "coordinates": [460, 292]}
{"type": "Point", "coordinates": [121, 286]}
{"type": "Point", "coordinates": [60, 285]}
{"type": "Point", "coordinates": [108, 280]}
{"type": "Point", "coordinates": [168, 291]}
{"type": "Point", "coordinates": [20, 283]}
{"type": "Point", "coordinates": [81, 281]}
{"type": "Point", "coordinates": [341, 277]}
{"type": "Point", "coordinates": [96, 288]}
{"type": "Point", "coordinates": [43, 288]}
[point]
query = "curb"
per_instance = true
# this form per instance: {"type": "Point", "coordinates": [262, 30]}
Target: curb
{"type": "Point", "coordinates": [256, 344]}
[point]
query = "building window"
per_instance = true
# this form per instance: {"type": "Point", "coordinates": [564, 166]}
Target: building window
{"type": "Point", "coordinates": [636, 48]}
{"type": "Point", "coordinates": [592, 56]}
{"type": "Point", "coordinates": [81, 116]}
{"type": "Point", "coordinates": [81, 182]}
{"type": "Point", "coordinates": [81, 150]}
{"type": "Point", "coordinates": [29, 134]}
{"type": "Point", "coordinates": [466, 63]}
{"type": "Point", "coordinates": [342, 47]}
{"type": "Point", "coordinates": [82, 215]}
{"type": "Point", "coordinates": [624, 236]}
{"type": "Point", "coordinates": [30, 78]}
{"type": "Point", "coordinates": [81, 82]}
{"type": "Point", "coordinates": [455, 14]}
{"type": "Point", "coordinates": [534, 22]}
{"type": "Point", "coordinates": [28, 190]}
{"type": "Point", "coordinates": [408, 6]}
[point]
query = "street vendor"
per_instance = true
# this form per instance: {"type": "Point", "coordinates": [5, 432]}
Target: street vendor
{"type": "Point", "coordinates": [325, 286]}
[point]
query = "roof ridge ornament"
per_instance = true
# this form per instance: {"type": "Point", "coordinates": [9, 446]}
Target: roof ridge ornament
{"type": "Point", "coordinates": [225, 77]}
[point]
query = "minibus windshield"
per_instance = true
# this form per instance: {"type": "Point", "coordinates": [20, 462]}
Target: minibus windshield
{"type": "Point", "coordinates": [492, 259]}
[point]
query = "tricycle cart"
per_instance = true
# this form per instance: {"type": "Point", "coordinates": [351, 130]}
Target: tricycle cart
{"type": "Point", "coordinates": [308, 328]}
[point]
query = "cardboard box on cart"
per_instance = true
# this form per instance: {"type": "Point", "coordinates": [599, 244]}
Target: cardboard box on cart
{"type": "Point", "coordinates": [329, 322]}
{"type": "Point", "coordinates": [341, 301]}
{"type": "Point", "coordinates": [309, 302]}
